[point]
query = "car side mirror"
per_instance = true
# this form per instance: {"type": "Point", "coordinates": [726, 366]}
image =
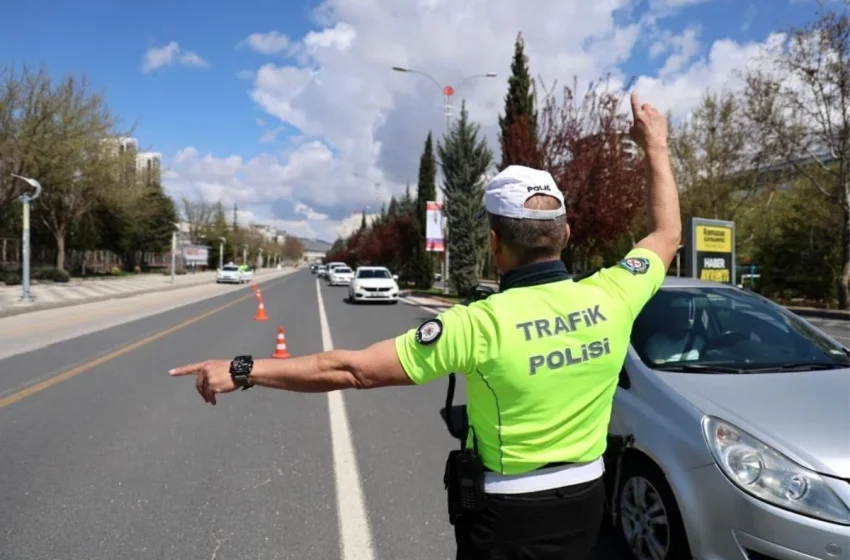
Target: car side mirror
{"type": "Point", "coordinates": [481, 291]}
{"type": "Point", "coordinates": [625, 381]}
{"type": "Point", "coordinates": [395, 277]}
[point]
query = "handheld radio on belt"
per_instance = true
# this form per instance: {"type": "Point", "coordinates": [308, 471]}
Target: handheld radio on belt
{"type": "Point", "coordinates": [464, 476]}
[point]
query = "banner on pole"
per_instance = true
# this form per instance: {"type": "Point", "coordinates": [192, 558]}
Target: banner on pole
{"type": "Point", "coordinates": [434, 227]}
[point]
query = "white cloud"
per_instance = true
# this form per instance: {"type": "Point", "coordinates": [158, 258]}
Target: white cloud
{"type": "Point", "coordinates": [273, 42]}
{"type": "Point", "coordinates": [157, 57]}
{"type": "Point", "coordinates": [684, 48]}
{"type": "Point", "coordinates": [355, 118]}
{"type": "Point", "coordinates": [270, 135]}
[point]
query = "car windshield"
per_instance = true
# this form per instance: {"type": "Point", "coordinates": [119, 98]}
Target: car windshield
{"type": "Point", "coordinates": [340, 270]}
{"type": "Point", "coordinates": [373, 273]}
{"type": "Point", "coordinates": [230, 268]}
{"type": "Point", "coordinates": [727, 330]}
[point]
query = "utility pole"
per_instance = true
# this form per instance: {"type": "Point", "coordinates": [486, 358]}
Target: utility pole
{"type": "Point", "coordinates": [448, 94]}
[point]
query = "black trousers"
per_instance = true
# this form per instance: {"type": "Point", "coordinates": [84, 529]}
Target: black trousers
{"type": "Point", "coordinates": [558, 524]}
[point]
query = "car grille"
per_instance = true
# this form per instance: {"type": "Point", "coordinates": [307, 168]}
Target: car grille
{"type": "Point", "coordinates": [377, 289]}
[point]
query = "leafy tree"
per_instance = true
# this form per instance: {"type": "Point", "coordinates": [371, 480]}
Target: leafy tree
{"type": "Point", "coordinates": [426, 190]}
{"type": "Point", "coordinates": [518, 128]}
{"type": "Point", "coordinates": [199, 215]}
{"type": "Point", "coordinates": [795, 245]}
{"type": "Point", "coordinates": [713, 157]}
{"type": "Point", "coordinates": [75, 164]}
{"type": "Point", "coordinates": [465, 157]}
{"type": "Point", "coordinates": [583, 143]}
{"type": "Point", "coordinates": [798, 97]}
{"type": "Point", "coordinates": [292, 249]}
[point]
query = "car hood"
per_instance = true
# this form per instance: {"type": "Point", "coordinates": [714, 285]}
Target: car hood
{"type": "Point", "coordinates": [804, 415]}
{"type": "Point", "coordinates": [375, 282]}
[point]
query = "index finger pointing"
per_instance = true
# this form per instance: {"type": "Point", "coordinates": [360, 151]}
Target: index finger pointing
{"type": "Point", "coordinates": [635, 103]}
{"type": "Point", "coordinates": [187, 370]}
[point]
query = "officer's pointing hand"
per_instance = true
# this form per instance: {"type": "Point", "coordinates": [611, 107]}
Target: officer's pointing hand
{"type": "Point", "coordinates": [213, 376]}
{"type": "Point", "coordinates": [649, 129]}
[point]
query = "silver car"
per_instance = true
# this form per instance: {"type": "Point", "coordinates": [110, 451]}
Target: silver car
{"type": "Point", "coordinates": [730, 432]}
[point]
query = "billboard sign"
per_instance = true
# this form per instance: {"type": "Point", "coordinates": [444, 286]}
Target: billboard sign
{"type": "Point", "coordinates": [710, 250]}
{"type": "Point", "coordinates": [197, 254]}
{"type": "Point", "coordinates": [434, 227]}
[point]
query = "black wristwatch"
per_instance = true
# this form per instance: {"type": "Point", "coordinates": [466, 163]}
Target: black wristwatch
{"type": "Point", "coordinates": [240, 369]}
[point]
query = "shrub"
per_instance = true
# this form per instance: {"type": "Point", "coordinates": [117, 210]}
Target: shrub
{"type": "Point", "coordinates": [12, 279]}
{"type": "Point", "coordinates": [59, 275]}
{"type": "Point", "coordinates": [51, 274]}
{"type": "Point", "coordinates": [116, 271]}
{"type": "Point", "coordinates": [137, 269]}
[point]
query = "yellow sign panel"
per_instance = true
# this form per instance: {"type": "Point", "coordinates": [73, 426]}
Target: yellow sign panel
{"type": "Point", "coordinates": [715, 275]}
{"type": "Point", "coordinates": [714, 239]}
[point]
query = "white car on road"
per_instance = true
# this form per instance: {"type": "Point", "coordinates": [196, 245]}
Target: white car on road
{"type": "Point", "coordinates": [340, 276]}
{"type": "Point", "coordinates": [373, 283]}
{"type": "Point", "coordinates": [230, 274]}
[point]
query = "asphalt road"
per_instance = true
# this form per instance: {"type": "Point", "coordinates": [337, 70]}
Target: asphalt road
{"type": "Point", "coordinates": [105, 456]}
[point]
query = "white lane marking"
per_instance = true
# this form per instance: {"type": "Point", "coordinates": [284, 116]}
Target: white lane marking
{"type": "Point", "coordinates": [354, 531]}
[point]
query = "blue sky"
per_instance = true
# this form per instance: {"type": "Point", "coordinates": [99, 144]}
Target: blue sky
{"type": "Point", "coordinates": [305, 127]}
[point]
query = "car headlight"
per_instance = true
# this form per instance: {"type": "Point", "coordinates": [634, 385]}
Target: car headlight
{"type": "Point", "coordinates": [767, 474]}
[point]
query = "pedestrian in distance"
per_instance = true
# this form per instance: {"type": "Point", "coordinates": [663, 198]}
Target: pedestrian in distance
{"type": "Point", "coordinates": [541, 360]}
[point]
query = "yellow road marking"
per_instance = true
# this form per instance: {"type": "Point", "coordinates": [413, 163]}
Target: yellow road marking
{"type": "Point", "coordinates": [68, 374]}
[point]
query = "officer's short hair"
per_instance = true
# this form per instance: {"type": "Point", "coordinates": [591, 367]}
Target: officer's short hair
{"type": "Point", "coordinates": [531, 240]}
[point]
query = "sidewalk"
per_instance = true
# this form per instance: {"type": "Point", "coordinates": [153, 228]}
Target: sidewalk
{"type": "Point", "coordinates": [77, 291]}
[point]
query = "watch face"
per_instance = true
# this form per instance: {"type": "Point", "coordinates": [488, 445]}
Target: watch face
{"type": "Point", "coordinates": [241, 365]}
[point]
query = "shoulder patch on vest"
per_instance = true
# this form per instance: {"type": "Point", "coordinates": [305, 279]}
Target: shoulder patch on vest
{"type": "Point", "coordinates": [635, 265]}
{"type": "Point", "coordinates": [429, 332]}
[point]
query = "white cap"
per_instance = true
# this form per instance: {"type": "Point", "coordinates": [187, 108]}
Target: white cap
{"type": "Point", "coordinates": [508, 192]}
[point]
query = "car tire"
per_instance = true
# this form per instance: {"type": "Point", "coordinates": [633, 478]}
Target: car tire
{"type": "Point", "coordinates": [633, 527]}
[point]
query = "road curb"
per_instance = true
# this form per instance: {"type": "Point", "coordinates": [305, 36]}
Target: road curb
{"type": "Point", "coordinates": [94, 299]}
{"type": "Point", "coordinates": [414, 293]}
{"type": "Point", "coordinates": [814, 312]}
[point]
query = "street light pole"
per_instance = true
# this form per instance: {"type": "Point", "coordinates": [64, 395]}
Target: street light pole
{"type": "Point", "coordinates": [448, 93]}
{"type": "Point", "coordinates": [221, 252]}
{"type": "Point", "coordinates": [174, 248]}
{"type": "Point", "coordinates": [26, 199]}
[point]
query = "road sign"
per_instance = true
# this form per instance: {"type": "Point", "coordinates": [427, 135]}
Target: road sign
{"type": "Point", "coordinates": [710, 250]}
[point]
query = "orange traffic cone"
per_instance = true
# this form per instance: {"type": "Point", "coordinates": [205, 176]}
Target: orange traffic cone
{"type": "Point", "coordinates": [254, 286]}
{"type": "Point", "coordinates": [261, 313]}
{"type": "Point", "coordinates": [258, 295]}
{"type": "Point", "coordinates": [280, 351]}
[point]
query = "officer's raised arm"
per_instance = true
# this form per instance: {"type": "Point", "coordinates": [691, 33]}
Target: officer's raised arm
{"type": "Point", "coordinates": [649, 131]}
{"type": "Point", "coordinates": [637, 277]}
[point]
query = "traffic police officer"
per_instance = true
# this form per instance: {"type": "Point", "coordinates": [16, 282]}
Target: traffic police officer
{"type": "Point", "coordinates": [541, 361]}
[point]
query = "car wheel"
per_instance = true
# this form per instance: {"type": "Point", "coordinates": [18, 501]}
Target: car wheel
{"type": "Point", "coordinates": [649, 524]}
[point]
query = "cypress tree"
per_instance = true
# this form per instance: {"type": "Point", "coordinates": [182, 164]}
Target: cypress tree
{"type": "Point", "coordinates": [465, 158]}
{"type": "Point", "coordinates": [518, 128]}
{"type": "Point", "coordinates": [426, 190]}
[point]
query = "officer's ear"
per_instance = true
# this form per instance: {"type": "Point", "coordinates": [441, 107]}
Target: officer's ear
{"type": "Point", "coordinates": [566, 235]}
{"type": "Point", "coordinates": [495, 243]}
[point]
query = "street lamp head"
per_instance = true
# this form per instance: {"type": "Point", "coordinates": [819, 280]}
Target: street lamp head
{"type": "Point", "coordinates": [400, 69]}
{"type": "Point", "coordinates": [490, 75]}
{"type": "Point", "coordinates": [31, 182]}
{"type": "Point", "coordinates": [222, 239]}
